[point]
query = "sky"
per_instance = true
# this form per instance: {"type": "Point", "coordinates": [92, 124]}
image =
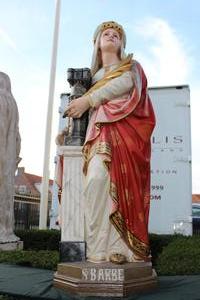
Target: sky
{"type": "Point", "coordinates": [163, 35]}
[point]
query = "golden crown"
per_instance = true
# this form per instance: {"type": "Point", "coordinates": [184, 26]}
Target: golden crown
{"type": "Point", "coordinates": [109, 24]}
{"type": "Point", "coordinates": [112, 24]}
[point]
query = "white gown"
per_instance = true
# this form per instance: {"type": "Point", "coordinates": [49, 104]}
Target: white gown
{"type": "Point", "coordinates": [101, 237]}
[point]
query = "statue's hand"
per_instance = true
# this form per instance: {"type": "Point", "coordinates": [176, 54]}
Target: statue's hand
{"type": "Point", "coordinates": [77, 107]}
{"type": "Point", "coordinates": [61, 136]}
{"type": "Point", "coordinates": [60, 139]}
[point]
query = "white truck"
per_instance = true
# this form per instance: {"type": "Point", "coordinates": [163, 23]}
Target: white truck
{"type": "Point", "coordinates": [171, 188]}
{"type": "Point", "coordinates": [171, 184]}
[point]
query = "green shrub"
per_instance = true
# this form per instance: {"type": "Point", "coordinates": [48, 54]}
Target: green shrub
{"type": "Point", "coordinates": [180, 257]}
{"type": "Point", "coordinates": [38, 259]}
{"type": "Point", "coordinates": [158, 242]}
{"type": "Point", "coordinates": [40, 239]}
{"type": "Point", "coordinates": [5, 297]}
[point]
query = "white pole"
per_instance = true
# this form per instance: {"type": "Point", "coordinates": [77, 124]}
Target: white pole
{"type": "Point", "coordinates": [45, 179]}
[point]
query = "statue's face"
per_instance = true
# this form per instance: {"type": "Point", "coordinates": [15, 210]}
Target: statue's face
{"type": "Point", "coordinates": [110, 40]}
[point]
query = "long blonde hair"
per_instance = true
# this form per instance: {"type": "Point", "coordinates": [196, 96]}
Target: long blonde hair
{"type": "Point", "coordinates": [96, 57]}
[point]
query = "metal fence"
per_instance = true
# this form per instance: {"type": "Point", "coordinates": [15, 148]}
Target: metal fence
{"type": "Point", "coordinates": [196, 229]}
{"type": "Point", "coordinates": [27, 215]}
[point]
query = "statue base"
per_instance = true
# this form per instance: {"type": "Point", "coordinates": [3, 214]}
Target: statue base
{"type": "Point", "coordinates": [105, 279]}
{"type": "Point", "coordinates": [10, 246]}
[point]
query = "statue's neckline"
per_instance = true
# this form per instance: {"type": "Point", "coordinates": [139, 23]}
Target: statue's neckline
{"type": "Point", "coordinates": [107, 66]}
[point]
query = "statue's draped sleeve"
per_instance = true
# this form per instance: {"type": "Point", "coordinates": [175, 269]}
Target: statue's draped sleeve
{"type": "Point", "coordinates": [119, 86]}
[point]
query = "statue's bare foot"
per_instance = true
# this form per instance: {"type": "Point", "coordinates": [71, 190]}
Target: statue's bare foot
{"type": "Point", "coordinates": [117, 258]}
{"type": "Point", "coordinates": [14, 238]}
{"type": "Point", "coordinates": [9, 238]}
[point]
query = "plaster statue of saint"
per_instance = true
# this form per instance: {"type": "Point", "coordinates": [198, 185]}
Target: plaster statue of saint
{"type": "Point", "coordinates": [9, 158]}
{"type": "Point", "coordinates": [116, 151]}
